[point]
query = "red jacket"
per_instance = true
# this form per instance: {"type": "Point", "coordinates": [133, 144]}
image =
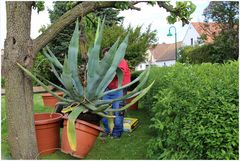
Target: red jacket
{"type": "Point", "coordinates": [126, 75]}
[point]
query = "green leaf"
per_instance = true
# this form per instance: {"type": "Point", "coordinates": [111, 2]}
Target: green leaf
{"type": "Point", "coordinates": [119, 76]}
{"type": "Point", "coordinates": [73, 51]}
{"type": "Point", "coordinates": [67, 76]}
{"type": "Point", "coordinates": [127, 85]}
{"type": "Point", "coordinates": [58, 64]}
{"type": "Point", "coordinates": [71, 132]}
{"type": "Point", "coordinates": [56, 86]}
{"type": "Point", "coordinates": [104, 115]}
{"type": "Point", "coordinates": [93, 62]}
{"type": "Point", "coordinates": [134, 100]}
{"type": "Point", "coordinates": [51, 59]}
{"type": "Point", "coordinates": [111, 71]}
{"type": "Point", "coordinates": [42, 84]}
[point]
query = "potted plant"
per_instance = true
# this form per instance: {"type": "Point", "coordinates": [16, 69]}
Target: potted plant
{"type": "Point", "coordinates": [87, 100]}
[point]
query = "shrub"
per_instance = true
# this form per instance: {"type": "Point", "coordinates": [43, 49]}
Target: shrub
{"type": "Point", "coordinates": [195, 112]}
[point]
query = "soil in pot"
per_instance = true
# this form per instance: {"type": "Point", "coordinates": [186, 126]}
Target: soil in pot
{"type": "Point", "coordinates": [88, 117]}
{"type": "Point", "coordinates": [47, 128]}
{"type": "Point", "coordinates": [49, 100]}
{"type": "Point", "coordinates": [86, 134]}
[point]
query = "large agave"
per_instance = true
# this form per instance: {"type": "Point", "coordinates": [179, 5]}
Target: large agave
{"type": "Point", "coordinates": [99, 74]}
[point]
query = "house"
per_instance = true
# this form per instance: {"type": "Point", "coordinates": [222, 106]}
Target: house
{"type": "Point", "coordinates": [160, 55]}
{"type": "Point", "coordinates": [200, 33]}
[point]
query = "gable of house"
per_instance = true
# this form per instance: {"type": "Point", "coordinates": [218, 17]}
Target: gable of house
{"type": "Point", "coordinates": [209, 30]}
{"type": "Point", "coordinates": [196, 30]}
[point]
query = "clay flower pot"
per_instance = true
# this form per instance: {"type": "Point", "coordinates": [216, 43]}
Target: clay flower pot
{"type": "Point", "coordinates": [86, 134]}
{"type": "Point", "coordinates": [49, 100]}
{"type": "Point", "coordinates": [47, 128]}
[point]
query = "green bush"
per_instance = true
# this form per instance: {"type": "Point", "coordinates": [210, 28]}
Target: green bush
{"type": "Point", "coordinates": [195, 112]}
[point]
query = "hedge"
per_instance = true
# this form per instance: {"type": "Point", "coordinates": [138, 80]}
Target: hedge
{"type": "Point", "coordinates": [195, 112]}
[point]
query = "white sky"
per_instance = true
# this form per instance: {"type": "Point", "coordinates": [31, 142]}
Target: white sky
{"type": "Point", "coordinates": [148, 15]}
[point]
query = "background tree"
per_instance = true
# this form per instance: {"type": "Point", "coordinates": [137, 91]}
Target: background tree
{"type": "Point", "coordinates": [226, 43]}
{"type": "Point", "coordinates": [225, 13]}
{"type": "Point", "coordinates": [20, 48]}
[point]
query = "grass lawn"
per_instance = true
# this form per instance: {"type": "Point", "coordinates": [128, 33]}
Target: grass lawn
{"type": "Point", "coordinates": [130, 146]}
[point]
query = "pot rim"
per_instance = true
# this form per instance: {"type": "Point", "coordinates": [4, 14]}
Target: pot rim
{"type": "Point", "coordinates": [49, 94]}
{"type": "Point", "coordinates": [49, 120]}
{"type": "Point", "coordinates": [86, 123]}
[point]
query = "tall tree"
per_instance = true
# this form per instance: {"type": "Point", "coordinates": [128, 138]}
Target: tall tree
{"type": "Point", "coordinates": [20, 48]}
{"type": "Point", "coordinates": [226, 14]}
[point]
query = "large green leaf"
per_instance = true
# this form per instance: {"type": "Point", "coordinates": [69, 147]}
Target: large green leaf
{"type": "Point", "coordinates": [56, 73]}
{"type": "Point", "coordinates": [119, 76]}
{"type": "Point", "coordinates": [56, 86]}
{"type": "Point", "coordinates": [67, 76]}
{"type": "Point", "coordinates": [71, 132]}
{"type": "Point", "coordinates": [104, 115]}
{"type": "Point", "coordinates": [56, 62]}
{"type": "Point", "coordinates": [133, 101]}
{"type": "Point", "coordinates": [42, 84]}
{"type": "Point", "coordinates": [126, 85]}
{"type": "Point", "coordinates": [125, 97]}
{"type": "Point", "coordinates": [140, 85]}
{"type": "Point", "coordinates": [73, 51]}
{"type": "Point", "coordinates": [104, 64]}
{"type": "Point", "coordinates": [111, 71]}
{"type": "Point", "coordinates": [52, 59]}
{"type": "Point", "coordinates": [93, 61]}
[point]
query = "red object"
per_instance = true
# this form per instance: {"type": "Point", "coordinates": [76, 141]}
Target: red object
{"type": "Point", "coordinates": [49, 100]}
{"type": "Point", "coordinates": [47, 128]}
{"type": "Point", "coordinates": [86, 135]}
{"type": "Point", "coordinates": [126, 75]}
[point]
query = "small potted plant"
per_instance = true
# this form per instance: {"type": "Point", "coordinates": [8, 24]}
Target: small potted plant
{"type": "Point", "coordinates": [87, 100]}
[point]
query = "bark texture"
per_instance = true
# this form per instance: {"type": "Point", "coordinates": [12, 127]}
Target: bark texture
{"type": "Point", "coordinates": [19, 96]}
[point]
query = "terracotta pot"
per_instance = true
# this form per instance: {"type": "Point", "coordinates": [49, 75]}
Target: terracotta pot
{"type": "Point", "coordinates": [134, 106]}
{"type": "Point", "coordinates": [47, 128]}
{"type": "Point", "coordinates": [86, 135]}
{"type": "Point", "coordinates": [49, 100]}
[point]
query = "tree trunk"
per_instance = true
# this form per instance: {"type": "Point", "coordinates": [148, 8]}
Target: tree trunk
{"type": "Point", "coordinates": [19, 95]}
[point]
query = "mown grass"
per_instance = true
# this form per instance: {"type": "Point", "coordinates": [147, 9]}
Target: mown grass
{"type": "Point", "coordinates": [131, 146]}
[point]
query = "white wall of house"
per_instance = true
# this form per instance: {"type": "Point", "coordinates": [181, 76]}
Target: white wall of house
{"type": "Point", "coordinates": [141, 66]}
{"type": "Point", "coordinates": [191, 36]}
{"type": "Point", "coordinates": [165, 63]}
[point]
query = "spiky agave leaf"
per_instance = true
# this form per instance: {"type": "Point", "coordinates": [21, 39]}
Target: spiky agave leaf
{"type": "Point", "coordinates": [52, 59]}
{"type": "Point", "coordinates": [110, 122]}
{"type": "Point", "coordinates": [56, 86]}
{"type": "Point", "coordinates": [73, 51]}
{"type": "Point", "coordinates": [119, 76]}
{"type": "Point", "coordinates": [42, 84]}
{"type": "Point", "coordinates": [111, 71]}
{"type": "Point", "coordinates": [93, 61]}
{"type": "Point", "coordinates": [71, 132]}
{"type": "Point", "coordinates": [56, 61]}
{"type": "Point", "coordinates": [134, 100]}
{"type": "Point", "coordinates": [145, 73]}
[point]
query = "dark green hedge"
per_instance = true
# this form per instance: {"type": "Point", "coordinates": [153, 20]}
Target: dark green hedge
{"type": "Point", "coordinates": [195, 112]}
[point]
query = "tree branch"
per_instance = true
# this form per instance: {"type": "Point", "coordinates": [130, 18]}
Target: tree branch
{"type": "Point", "coordinates": [169, 8]}
{"type": "Point", "coordinates": [79, 10]}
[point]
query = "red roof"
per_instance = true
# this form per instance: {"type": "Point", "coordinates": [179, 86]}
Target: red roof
{"type": "Point", "coordinates": [164, 51]}
{"type": "Point", "coordinates": [210, 29]}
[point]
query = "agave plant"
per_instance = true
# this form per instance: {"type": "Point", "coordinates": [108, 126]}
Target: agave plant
{"type": "Point", "coordinates": [99, 74]}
